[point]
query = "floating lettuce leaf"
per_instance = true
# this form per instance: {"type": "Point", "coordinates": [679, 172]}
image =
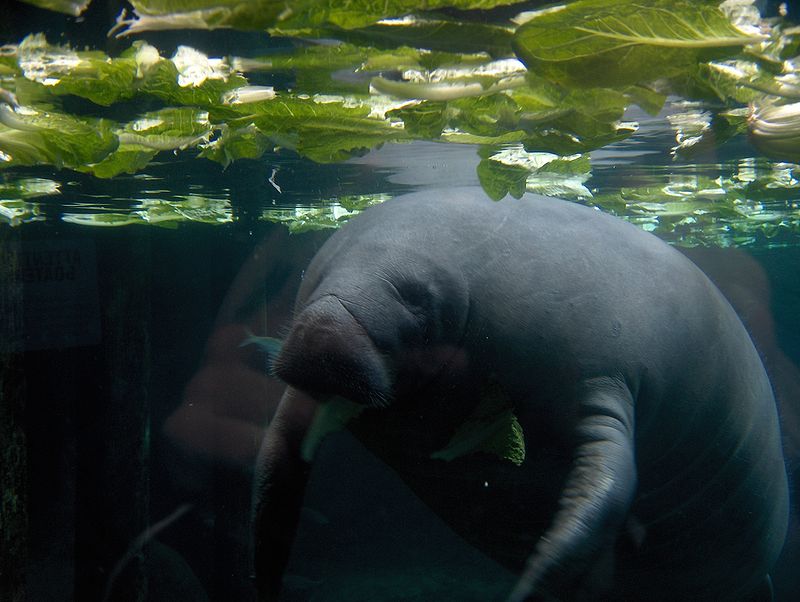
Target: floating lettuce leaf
{"type": "Point", "coordinates": [331, 416]}
{"type": "Point", "coordinates": [618, 42]}
{"type": "Point", "coordinates": [69, 7]}
{"type": "Point", "coordinates": [160, 212]}
{"type": "Point", "coordinates": [15, 206]}
{"type": "Point", "coordinates": [127, 158]}
{"type": "Point", "coordinates": [329, 214]}
{"type": "Point", "coordinates": [647, 99]}
{"type": "Point", "coordinates": [29, 137]}
{"type": "Point", "coordinates": [16, 212]}
{"type": "Point", "coordinates": [240, 143]}
{"type": "Point", "coordinates": [88, 74]}
{"type": "Point", "coordinates": [512, 170]}
{"type": "Point", "coordinates": [190, 78]}
{"type": "Point", "coordinates": [699, 130]}
{"type": "Point", "coordinates": [361, 13]}
{"type": "Point", "coordinates": [27, 188]}
{"type": "Point", "coordinates": [491, 428]}
{"type": "Point", "coordinates": [585, 120]}
{"type": "Point", "coordinates": [157, 15]}
{"type": "Point", "coordinates": [342, 67]}
{"type": "Point", "coordinates": [499, 179]}
{"type": "Point", "coordinates": [745, 202]}
{"type": "Point", "coordinates": [733, 82]}
{"type": "Point", "coordinates": [332, 68]}
{"type": "Point", "coordinates": [300, 17]}
{"type": "Point", "coordinates": [141, 140]}
{"type": "Point", "coordinates": [775, 130]}
{"type": "Point", "coordinates": [423, 120]}
{"type": "Point", "coordinates": [478, 83]}
{"type": "Point", "coordinates": [545, 116]}
{"type": "Point", "coordinates": [323, 129]}
{"type": "Point", "coordinates": [425, 32]}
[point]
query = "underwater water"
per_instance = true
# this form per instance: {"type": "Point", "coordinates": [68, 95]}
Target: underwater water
{"type": "Point", "coordinates": [132, 408]}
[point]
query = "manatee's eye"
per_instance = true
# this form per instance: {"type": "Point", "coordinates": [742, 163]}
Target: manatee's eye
{"type": "Point", "coordinates": [414, 294]}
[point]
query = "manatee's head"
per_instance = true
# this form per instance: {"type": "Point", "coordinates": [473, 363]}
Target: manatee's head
{"type": "Point", "coordinates": [372, 329]}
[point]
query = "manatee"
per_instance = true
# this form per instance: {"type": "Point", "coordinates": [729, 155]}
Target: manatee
{"type": "Point", "coordinates": [652, 466]}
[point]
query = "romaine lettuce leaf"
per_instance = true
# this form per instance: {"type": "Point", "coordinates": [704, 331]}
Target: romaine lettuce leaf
{"type": "Point", "coordinates": [68, 7]}
{"type": "Point", "coordinates": [331, 416]}
{"type": "Point", "coordinates": [296, 17]}
{"type": "Point", "coordinates": [491, 428]}
{"type": "Point", "coordinates": [618, 42]}
{"type": "Point", "coordinates": [29, 137]}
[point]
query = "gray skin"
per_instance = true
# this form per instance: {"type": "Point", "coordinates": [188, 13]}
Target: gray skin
{"type": "Point", "coordinates": [654, 468]}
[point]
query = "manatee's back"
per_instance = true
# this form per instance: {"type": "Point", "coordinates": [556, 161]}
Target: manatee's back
{"type": "Point", "coordinates": [567, 292]}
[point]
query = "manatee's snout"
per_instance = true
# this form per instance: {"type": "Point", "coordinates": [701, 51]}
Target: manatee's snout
{"type": "Point", "coordinates": [329, 353]}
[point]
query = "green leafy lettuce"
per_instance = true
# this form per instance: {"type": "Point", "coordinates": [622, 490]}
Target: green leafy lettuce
{"type": "Point", "coordinates": [69, 7]}
{"type": "Point", "coordinates": [16, 199]}
{"type": "Point", "coordinates": [491, 428]}
{"type": "Point", "coordinates": [328, 214]}
{"type": "Point", "coordinates": [618, 42]}
{"type": "Point", "coordinates": [534, 93]}
{"type": "Point", "coordinates": [331, 416]}
{"type": "Point", "coordinates": [166, 213]}
{"type": "Point", "coordinates": [297, 16]}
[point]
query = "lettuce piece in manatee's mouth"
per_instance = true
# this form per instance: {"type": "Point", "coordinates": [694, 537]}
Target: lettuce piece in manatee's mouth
{"type": "Point", "coordinates": [491, 428]}
{"type": "Point", "coordinates": [331, 416]}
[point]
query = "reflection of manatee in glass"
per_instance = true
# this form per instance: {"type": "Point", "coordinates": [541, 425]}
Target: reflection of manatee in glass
{"type": "Point", "coordinates": [586, 323]}
{"type": "Point", "coordinates": [230, 399]}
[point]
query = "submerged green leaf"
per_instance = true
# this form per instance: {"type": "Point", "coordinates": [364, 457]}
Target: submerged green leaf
{"type": "Point", "coordinates": [331, 416]}
{"type": "Point", "coordinates": [491, 428]}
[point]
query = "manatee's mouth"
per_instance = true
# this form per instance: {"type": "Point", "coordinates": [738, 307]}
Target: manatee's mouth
{"type": "Point", "coordinates": [328, 352]}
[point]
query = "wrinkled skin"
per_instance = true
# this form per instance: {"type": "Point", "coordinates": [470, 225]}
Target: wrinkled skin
{"type": "Point", "coordinates": [654, 469]}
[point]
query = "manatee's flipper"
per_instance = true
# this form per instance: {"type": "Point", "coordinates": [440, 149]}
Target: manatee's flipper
{"type": "Point", "coordinates": [596, 496]}
{"type": "Point", "coordinates": [281, 477]}
{"type": "Point", "coordinates": [269, 346]}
